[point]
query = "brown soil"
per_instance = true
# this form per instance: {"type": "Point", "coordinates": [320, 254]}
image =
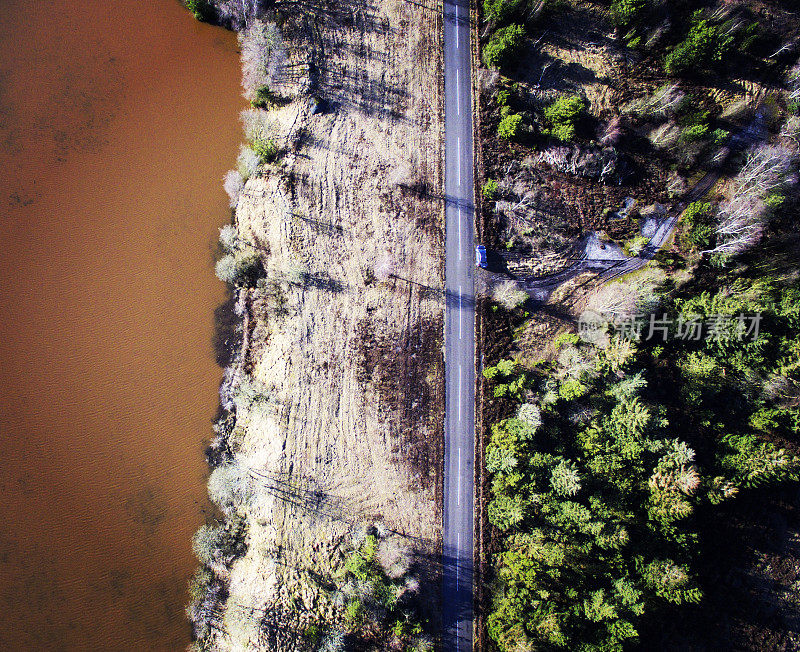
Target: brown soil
{"type": "Point", "coordinates": [353, 360]}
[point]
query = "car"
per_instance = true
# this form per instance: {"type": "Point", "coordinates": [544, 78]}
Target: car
{"type": "Point", "coordinates": [480, 257]}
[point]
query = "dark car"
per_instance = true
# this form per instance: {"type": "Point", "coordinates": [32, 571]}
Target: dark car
{"type": "Point", "coordinates": [480, 256]}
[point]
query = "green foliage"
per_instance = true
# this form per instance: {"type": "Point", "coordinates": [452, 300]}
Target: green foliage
{"type": "Point", "coordinates": [705, 44]}
{"type": "Point", "coordinates": [509, 126]}
{"type": "Point", "coordinates": [694, 133]}
{"type": "Point", "coordinates": [699, 231]}
{"type": "Point", "coordinates": [595, 501]}
{"type": "Point", "coordinates": [636, 245]}
{"type": "Point", "coordinates": [503, 46]}
{"type": "Point", "coordinates": [503, 11]}
{"type": "Point", "coordinates": [562, 117]}
{"type": "Point", "coordinates": [510, 379]}
{"type": "Point", "coordinates": [751, 462]}
{"type": "Point", "coordinates": [719, 136]}
{"type": "Point", "coordinates": [263, 98]}
{"type": "Point", "coordinates": [266, 149]}
{"type": "Point", "coordinates": [503, 97]}
{"type": "Point", "coordinates": [626, 12]}
{"type": "Point", "coordinates": [202, 10]}
{"type": "Point", "coordinates": [490, 189]}
{"type": "Point", "coordinates": [372, 611]}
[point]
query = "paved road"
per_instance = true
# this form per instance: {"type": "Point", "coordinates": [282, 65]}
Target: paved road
{"type": "Point", "coordinates": [459, 331]}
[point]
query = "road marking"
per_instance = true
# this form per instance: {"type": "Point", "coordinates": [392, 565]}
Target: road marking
{"type": "Point", "coordinates": [460, 308]}
{"type": "Point", "coordinates": [458, 92]}
{"type": "Point", "coordinates": [459, 393]}
{"type": "Point", "coordinates": [458, 501]}
{"type": "Point", "coordinates": [458, 161]}
{"type": "Point", "coordinates": [456, 30]}
{"type": "Point", "coordinates": [459, 233]}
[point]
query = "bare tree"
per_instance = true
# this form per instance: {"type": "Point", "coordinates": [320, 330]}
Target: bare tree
{"type": "Point", "coordinates": [263, 56]}
{"type": "Point", "coordinates": [793, 79]}
{"type": "Point", "coordinates": [612, 132]}
{"type": "Point", "coordinates": [743, 216]}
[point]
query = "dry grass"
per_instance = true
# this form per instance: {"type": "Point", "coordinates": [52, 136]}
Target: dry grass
{"type": "Point", "coordinates": [353, 358]}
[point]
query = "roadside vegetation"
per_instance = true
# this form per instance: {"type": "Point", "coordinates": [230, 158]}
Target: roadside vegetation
{"type": "Point", "coordinates": [624, 457]}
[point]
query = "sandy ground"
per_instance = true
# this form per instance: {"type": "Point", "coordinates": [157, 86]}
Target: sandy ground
{"type": "Point", "coordinates": [350, 233]}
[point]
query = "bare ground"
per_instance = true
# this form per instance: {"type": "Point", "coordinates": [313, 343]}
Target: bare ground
{"type": "Point", "coordinates": [351, 352]}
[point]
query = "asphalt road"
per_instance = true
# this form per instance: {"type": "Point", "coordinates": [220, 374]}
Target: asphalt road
{"type": "Point", "coordinates": [459, 331]}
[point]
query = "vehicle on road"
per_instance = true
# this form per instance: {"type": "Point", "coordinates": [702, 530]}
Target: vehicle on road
{"type": "Point", "coordinates": [480, 257]}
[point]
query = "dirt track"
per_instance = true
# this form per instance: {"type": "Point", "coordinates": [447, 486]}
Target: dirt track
{"type": "Point", "coordinates": [350, 234]}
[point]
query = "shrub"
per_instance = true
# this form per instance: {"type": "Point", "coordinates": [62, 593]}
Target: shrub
{"type": "Point", "coordinates": [694, 133]}
{"type": "Point", "coordinates": [503, 46]}
{"type": "Point", "coordinates": [239, 268]}
{"type": "Point", "coordinates": [201, 9]}
{"type": "Point", "coordinates": [490, 189]}
{"type": "Point", "coordinates": [563, 115]}
{"type": "Point", "coordinates": [704, 44]}
{"type": "Point", "coordinates": [502, 11]}
{"type": "Point", "coordinates": [229, 487]}
{"type": "Point", "coordinates": [263, 97]}
{"type": "Point", "coordinates": [626, 12]}
{"type": "Point", "coordinates": [233, 182]}
{"type": "Point", "coordinates": [509, 126]}
{"type": "Point", "coordinates": [720, 136]}
{"type": "Point", "coordinates": [229, 238]}
{"type": "Point", "coordinates": [636, 245]}
{"type": "Point", "coordinates": [247, 162]}
{"type": "Point", "coordinates": [699, 233]}
{"type": "Point", "coordinates": [509, 295]}
{"type": "Point", "coordinates": [266, 149]}
{"type": "Point", "coordinates": [503, 97]}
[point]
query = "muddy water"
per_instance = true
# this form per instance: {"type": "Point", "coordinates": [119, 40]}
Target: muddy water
{"type": "Point", "coordinates": [118, 119]}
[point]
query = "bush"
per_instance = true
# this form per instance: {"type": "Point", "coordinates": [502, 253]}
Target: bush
{"type": "Point", "coordinates": [247, 162]}
{"type": "Point", "coordinates": [490, 189]}
{"type": "Point", "coordinates": [699, 232]}
{"type": "Point", "coordinates": [201, 9]}
{"type": "Point", "coordinates": [502, 11]}
{"type": "Point", "coordinates": [230, 487]}
{"type": "Point", "coordinates": [503, 46]}
{"type": "Point", "coordinates": [263, 98]}
{"type": "Point", "coordinates": [626, 12]}
{"type": "Point", "coordinates": [509, 126]}
{"type": "Point", "coordinates": [509, 295]}
{"type": "Point", "coordinates": [563, 115]}
{"type": "Point", "coordinates": [266, 150]}
{"type": "Point", "coordinates": [704, 44]}
{"type": "Point", "coordinates": [229, 238]}
{"type": "Point", "coordinates": [240, 268]}
{"type": "Point", "coordinates": [694, 133]}
{"type": "Point", "coordinates": [636, 245]}
{"type": "Point", "coordinates": [233, 183]}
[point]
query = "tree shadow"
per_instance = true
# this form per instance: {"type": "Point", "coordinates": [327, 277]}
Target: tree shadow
{"type": "Point", "coordinates": [227, 336]}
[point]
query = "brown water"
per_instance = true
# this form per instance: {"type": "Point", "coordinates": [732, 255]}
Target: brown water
{"type": "Point", "coordinates": [117, 121]}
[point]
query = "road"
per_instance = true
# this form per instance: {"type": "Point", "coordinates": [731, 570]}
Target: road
{"type": "Point", "coordinates": [459, 331]}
